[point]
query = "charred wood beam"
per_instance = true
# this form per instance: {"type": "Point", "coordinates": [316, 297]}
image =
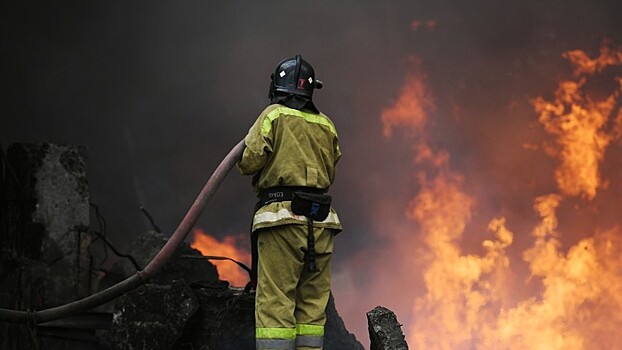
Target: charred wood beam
{"type": "Point", "coordinates": [385, 332]}
{"type": "Point", "coordinates": [151, 269]}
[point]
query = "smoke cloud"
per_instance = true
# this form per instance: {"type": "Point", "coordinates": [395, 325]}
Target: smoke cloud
{"type": "Point", "coordinates": [454, 186]}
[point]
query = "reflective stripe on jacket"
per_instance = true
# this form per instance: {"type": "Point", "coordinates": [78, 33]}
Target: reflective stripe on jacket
{"type": "Point", "coordinates": [288, 147]}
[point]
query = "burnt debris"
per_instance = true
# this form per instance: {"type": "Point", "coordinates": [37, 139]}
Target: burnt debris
{"type": "Point", "coordinates": [385, 332]}
{"type": "Point", "coordinates": [44, 214]}
{"type": "Point", "coordinates": [46, 247]}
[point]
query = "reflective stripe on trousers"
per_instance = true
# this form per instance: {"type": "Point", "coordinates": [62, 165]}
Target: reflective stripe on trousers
{"type": "Point", "coordinates": [309, 341]}
{"type": "Point", "coordinates": [309, 335]}
{"type": "Point", "coordinates": [275, 344]}
{"type": "Point", "coordinates": [275, 338]}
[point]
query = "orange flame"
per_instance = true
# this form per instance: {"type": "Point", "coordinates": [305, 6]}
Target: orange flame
{"type": "Point", "coordinates": [230, 247]}
{"type": "Point", "coordinates": [579, 124]}
{"type": "Point", "coordinates": [577, 308]}
{"type": "Point", "coordinates": [414, 103]}
{"type": "Point", "coordinates": [469, 300]}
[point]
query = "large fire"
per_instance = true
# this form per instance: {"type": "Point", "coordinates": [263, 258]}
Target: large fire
{"type": "Point", "coordinates": [231, 247]}
{"type": "Point", "coordinates": [562, 289]}
{"type": "Point", "coordinates": [472, 301]}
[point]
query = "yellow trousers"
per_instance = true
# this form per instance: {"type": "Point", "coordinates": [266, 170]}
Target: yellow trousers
{"type": "Point", "coordinates": [290, 304]}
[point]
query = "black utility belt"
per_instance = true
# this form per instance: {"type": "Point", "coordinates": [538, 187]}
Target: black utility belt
{"type": "Point", "coordinates": [311, 202]}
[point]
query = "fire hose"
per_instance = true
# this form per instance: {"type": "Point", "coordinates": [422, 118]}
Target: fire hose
{"type": "Point", "coordinates": [140, 277]}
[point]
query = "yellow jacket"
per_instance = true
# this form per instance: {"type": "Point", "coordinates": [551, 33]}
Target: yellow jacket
{"type": "Point", "coordinates": [288, 147]}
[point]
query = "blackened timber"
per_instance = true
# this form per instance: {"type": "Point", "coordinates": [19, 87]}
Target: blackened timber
{"type": "Point", "coordinates": [385, 332]}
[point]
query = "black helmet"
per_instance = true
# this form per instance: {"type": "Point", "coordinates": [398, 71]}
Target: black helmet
{"type": "Point", "coordinates": [294, 76]}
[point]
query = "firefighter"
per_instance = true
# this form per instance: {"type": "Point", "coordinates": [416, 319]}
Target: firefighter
{"type": "Point", "coordinates": [291, 151]}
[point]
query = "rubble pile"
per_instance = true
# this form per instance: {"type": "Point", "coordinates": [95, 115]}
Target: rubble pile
{"type": "Point", "coordinates": [46, 260]}
{"type": "Point", "coordinates": [205, 314]}
{"type": "Point", "coordinates": [44, 216]}
{"type": "Point", "coordinates": [152, 317]}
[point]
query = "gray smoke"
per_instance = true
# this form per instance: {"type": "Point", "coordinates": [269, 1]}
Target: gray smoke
{"type": "Point", "coordinates": [160, 91]}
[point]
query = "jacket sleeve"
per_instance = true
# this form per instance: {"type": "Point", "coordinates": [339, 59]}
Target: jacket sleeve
{"type": "Point", "coordinates": [258, 148]}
